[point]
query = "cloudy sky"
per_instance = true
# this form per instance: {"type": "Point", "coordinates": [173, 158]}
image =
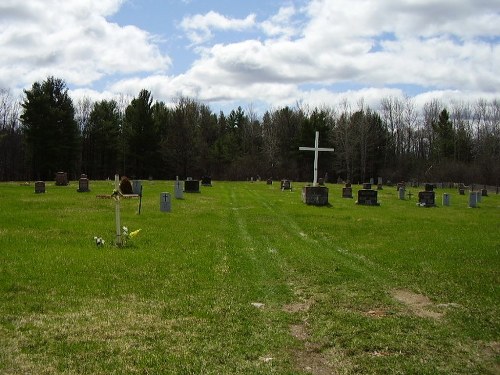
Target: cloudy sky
{"type": "Point", "coordinates": [263, 53]}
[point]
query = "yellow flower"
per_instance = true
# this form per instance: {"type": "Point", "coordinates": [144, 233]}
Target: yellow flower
{"type": "Point", "coordinates": [134, 233]}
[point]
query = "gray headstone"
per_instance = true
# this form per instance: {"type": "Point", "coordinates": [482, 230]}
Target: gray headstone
{"type": "Point", "coordinates": [136, 186]}
{"type": "Point", "coordinates": [402, 192]}
{"type": "Point", "coordinates": [473, 199]}
{"type": "Point", "coordinates": [165, 204]}
{"type": "Point", "coordinates": [446, 199]}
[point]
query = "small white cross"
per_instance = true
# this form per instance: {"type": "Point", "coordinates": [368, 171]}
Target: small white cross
{"type": "Point", "coordinates": [316, 149]}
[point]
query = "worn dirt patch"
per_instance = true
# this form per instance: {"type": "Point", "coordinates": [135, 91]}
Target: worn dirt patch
{"type": "Point", "coordinates": [376, 313]}
{"type": "Point", "coordinates": [299, 331]}
{"type": "Point", "coordinates": [298, 307]}
{"type": "Point", "coordinates": [317, 362]}
{"type": "Point", "coordinates": [419, 304]}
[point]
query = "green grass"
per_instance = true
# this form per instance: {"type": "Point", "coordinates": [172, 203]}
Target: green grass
{"type": "Point", "coordinates": [394, 289]}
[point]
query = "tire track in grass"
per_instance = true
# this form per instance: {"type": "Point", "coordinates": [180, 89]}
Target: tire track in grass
{"type": "Point", "coordinates": [357, 263]}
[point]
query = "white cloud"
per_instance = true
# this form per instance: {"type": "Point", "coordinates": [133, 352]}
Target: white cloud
{"type": "Point", "coordinates": [73, 40]}
{"type": "Point", "coordinates": [281, 24]}
{"type": "Point", "coordinates": [199, 27]}
{"type": "Point", "coordinates": [444, 47]}
{"type": "Point", "coordinates": [436, 45]}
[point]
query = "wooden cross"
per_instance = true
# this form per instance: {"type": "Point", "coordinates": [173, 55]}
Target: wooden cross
{"type": "Point", "coordinates": [316, 149]}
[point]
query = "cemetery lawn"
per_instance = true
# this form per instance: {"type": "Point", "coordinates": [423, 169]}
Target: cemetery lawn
{"type": "Point", "coordinates": [245, 279]}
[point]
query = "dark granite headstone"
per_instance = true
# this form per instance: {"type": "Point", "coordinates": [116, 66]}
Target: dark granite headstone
{"type": "Point", "coordinates": [484, 192]}
{"type": "Point", "coordinates": [347, 191]}
{"type": "Point", "coordinates": [315, 195]}
{"type": "Point", "coordinates": [286, 185]}
{"type": "Point", "coordinates": [191, 186]}
{"type": "Point", "coordinates": [429, 187]}
{"type": "Point", "coordinates": [206, 181]}
{"type": "Point", "coordinates": [367, 197]}
{"type": "Point", "coordinates": [427, 198]}
{"type": "Point", "coordinates": [321, 182]}
{"type": "Point", "coordinates": [269, 181]}
{"type": "Point", "coordinates": [61, 179]}
{"type": "Point", "coordinates": [83, 184]}
{"type": "Point", "coordinates": [39, 187]}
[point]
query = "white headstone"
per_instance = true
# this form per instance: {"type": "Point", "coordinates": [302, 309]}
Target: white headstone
{"type": "Point", "coordinates": [316, 149]}
{"type": "Point", "coordinates": [178, 188]}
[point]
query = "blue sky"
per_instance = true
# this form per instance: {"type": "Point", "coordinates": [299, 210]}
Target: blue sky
{"type": "Point", "coordinates": [259, 53]}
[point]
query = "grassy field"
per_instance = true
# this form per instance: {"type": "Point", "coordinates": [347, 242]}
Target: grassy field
{"type": "Point", "coordinates": [246, 279]}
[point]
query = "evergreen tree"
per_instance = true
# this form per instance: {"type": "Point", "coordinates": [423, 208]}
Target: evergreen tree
{"type": "Point", "coordinates": [101, 140]}
{"type": "Point", "coordinates": [50, 129]}
{"type": "Point", "coordinates": [141, 137]}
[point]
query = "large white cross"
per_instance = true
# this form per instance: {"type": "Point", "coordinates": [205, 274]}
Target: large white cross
{"type": "Point", "coordinates": [316, 149]}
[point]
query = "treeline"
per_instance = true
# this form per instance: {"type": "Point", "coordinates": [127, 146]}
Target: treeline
{"type": "Point", "coordinates": [45, 131]}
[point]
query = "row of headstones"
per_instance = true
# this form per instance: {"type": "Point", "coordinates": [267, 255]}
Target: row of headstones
{"type": "Point", "coordinates": [427, 198]}
{"type": "Point", "coordinates": [62, 180]}
{"type": "Point", "coordinates": [190, 185]}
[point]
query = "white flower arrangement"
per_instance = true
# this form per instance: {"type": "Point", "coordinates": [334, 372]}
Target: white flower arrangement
{"type": "Point", "coordinates": [99, 241]}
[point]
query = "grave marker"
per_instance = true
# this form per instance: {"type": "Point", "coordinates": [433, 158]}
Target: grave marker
{"type": "Point", "coordinates": [401, 192]}
{"type": "Point", "coordinates": [367, 197]}
{"type": "Point", "coordinates": [347, 191]}
{"type": "Point", "coordinates": [165, 205]}
{"type": "Point", "coordinates": [83, 184]}
{"type": "Point", "coordinates": [473, 199]}
{"type": "Point", "coordinates": [191, 186]}
{"type": "Point", "coordinates": [61, 179]}
{"type": "Point", "coordinates": [206, 181]}
{"type": "Point", "coordinates": [315, 194]}
{"type": "Point", "coordinates": [316, 149]}
{"type": "Point", "coordinates": [446, 199]}
{"type": "Point", "coordinates": [286, 185]}
{"type": "Point", "coordinates": [136, 187]}
{"type": "Point", "coordinates": [178, 188]}
{"type": "Point", "coordinates": [427, 198]}
{"type": "Point", "coordinates": [39, 187]}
